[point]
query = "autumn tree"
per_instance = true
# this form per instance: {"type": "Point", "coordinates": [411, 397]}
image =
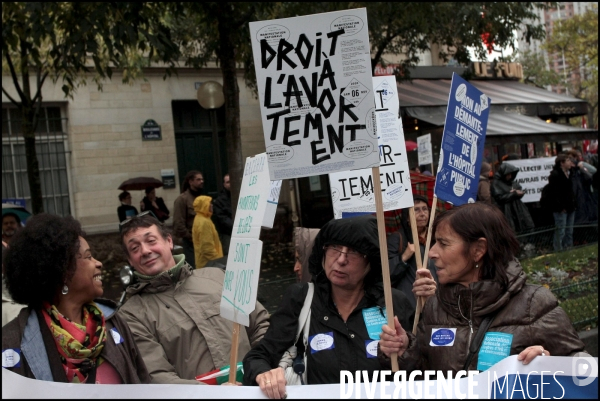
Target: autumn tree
{"type": "Point", "coordinates": [65, 42]}
{"type": "Point", "coordinates": [536, 71]}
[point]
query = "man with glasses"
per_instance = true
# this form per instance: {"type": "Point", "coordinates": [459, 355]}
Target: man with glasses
{"type": "Point", "coordinates": [173, 310]}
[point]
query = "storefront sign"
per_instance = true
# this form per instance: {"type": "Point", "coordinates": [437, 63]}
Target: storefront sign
{"type": "Point", "coordinates": [462, 143]}
{"type": "Point", "coordinates": [316, 95]}
{"type": "Point", "coordinates": [151, 131]}
{"type": "Point", "coordinates": [498, 70]}
{"type": "Point", "coordinates": [168, 178]}
{"type": "Point", "coordinates": [424, 149]}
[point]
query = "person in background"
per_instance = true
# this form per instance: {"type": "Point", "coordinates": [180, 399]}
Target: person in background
{"type": "Point", "coordinates": [66, 334]}
{"type": "Point", "coordinates": [484, 193]}
{"type": "Point", "coordinates": [206, 239]}
{"type": "Point", "coordinates": [507, 193]}
{"type": "Point", "coordinates": [11, 223]}
{"type": "Point", "coordinates": [126, 211]}
{"type": "Point", "coordinates": [173, 310]}
{"type": "Point", "coordinates": [154, 204]}
{"type": "Point", "coordinates": [586, 210]}
{"type": "Point", "coordinates": [346, 272]}
{"type": "Point", "coordinates": [10, 309]}
{"type": "Point", "coordinates": [304, 239]}
{"type": "Point", "coordinates": [402, 258]}
{"type": "Point", "coordinates": [558, 197]}
{"type": "Point", "coordinates": [480, 279]}
{"type": "Point", "coordinates": [184, 213]}
{"type": "Point", "coordinates": [222, 214]}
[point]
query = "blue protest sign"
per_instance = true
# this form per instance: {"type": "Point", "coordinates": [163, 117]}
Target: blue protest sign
{"type": "Point", "coordinates": [462, 143]}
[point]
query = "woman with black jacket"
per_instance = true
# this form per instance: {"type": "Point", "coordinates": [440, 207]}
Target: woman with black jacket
{"type": "Point", "coordinates": [346, 272]}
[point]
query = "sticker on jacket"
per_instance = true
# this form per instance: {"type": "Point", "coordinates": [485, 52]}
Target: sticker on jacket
{"type": "Point", "coordinates": [495, 347]}
{"type": "Point", "coordinates": [11, 358]}
{"type": "Point", "coordinates": [371, 346]}
{"type": "Point", "coordinates": [442, 337]}
{"type": "Point", "coordinates": [374, 319]}
{"type": "Point", "coordinates": [116, 335]}
{"type": "Point", "coordinates": [321, 342]}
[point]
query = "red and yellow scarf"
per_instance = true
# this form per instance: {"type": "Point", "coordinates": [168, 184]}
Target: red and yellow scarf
{"type": "Point", "coordinates": [79, 345]}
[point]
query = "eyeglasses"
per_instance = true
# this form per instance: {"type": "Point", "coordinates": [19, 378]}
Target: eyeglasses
{"type": "Point", "coordinates": [127, 221]}
{"type": "Point", "coordinates": [334, 251]}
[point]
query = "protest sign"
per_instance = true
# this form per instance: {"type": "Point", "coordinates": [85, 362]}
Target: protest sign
{"type": "Point", "coordinates": [316, 97]}
{"type": "Point", "coordinates": [272, 201]}
{"type": "Point", "coordinates": [425, 153]}
{"type": "Point", "coordinates": [462, 143]}
{"type": "Point", "coordinates": [252, 202]}
{"type": "Point", "coordinates": [240, 286]}
{"type": "Point", "coordinates": [533, 176]}
{"type": "Point", "coordinates": [352, 191]}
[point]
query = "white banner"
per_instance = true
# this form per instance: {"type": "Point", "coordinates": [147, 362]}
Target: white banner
{"type": "Point", "coordinates": [272, 202]}
{"type": "Point", "coordinates": [424, 149]}
{"type": "Point", "coordinates": [352, 191]}
{"type": "Point", "coordinates": [544, 378]}
{"type": "Point", "coordinates": [316, 97]}
{"type": "Point", "coordinates": [533, 176]}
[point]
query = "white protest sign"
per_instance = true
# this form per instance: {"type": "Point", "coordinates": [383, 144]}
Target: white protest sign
{"type": "Point", "coordinates": [272, 202]}
{"type": "Point", "coordinates": [533, 176]}
{"type": "Point", "coordinates": [424, 149]}
{"type": "Point", "coordinates": [352, 191]}
{"type": "Point", "coordinates": [240, 286]}
{"type": "Point", "coordinates": [316, 97]}
{"type": "Point", "coordinates": [252, 203]}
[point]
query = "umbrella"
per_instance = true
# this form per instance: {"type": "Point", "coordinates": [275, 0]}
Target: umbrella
{"type": "Point", "coordinates": [20, 211]}
{"type": "Point", "coordinates": [410, 146]}
{"type": "Point", "coordinates": [139, 183]}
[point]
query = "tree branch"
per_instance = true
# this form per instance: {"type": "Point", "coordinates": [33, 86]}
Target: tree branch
{"type": "Point", "coordinates": [13, 74]}
{"type": "Point", "coordinates": [40, 83]}
{"type": "Point", "coordinates": [10, 97]}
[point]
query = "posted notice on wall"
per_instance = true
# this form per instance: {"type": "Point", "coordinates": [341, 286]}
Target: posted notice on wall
{"type": "Point", "coordinates": [533, 176]}
{"type": "Point", "coordinates": [316, 95]}
{"type": "Point", "coordinates": [462, 143]}
{"type": "Point", "coordinates": [240, 286]}
{"type": "Point", "coordinates": [424, 150]}
{"type": "Point", "coordinates": [352, 191]}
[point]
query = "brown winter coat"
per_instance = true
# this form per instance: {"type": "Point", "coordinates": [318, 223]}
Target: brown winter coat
{"type": "Point", "coordinates": [529, 312]}
{"type": "Point", "coordinates": [124, 357]}
{"type": "Point", "coordinates": [183, 215]}
{"type": "Point", "coordinates": [178, 327]}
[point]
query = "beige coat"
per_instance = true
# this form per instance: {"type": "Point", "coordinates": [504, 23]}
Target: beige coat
{"type": "Point", "coordinates": [178, 329]}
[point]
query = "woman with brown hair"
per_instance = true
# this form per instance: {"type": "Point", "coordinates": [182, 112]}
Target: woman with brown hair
{"type": "Point", "coordinates": [483, 297]}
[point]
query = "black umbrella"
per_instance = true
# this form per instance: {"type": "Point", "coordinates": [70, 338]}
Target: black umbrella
{"type": "Point", "coordinates": [140, 183]}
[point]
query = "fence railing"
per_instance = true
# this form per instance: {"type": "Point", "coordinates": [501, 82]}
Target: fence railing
{"type": "Point", "coordinates": [540, 241]}
{"type": "Point", "coordinates": [580, 301]}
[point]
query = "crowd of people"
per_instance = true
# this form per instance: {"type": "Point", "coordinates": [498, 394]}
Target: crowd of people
{"type": "Point", "coordinates": [170, 329]}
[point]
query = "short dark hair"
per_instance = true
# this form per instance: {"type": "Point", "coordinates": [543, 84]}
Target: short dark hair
{"type": "Point", "coordinates": [421, 198]}
{"type": "Point", "coordinates": [13, 215]}
{"type": "Point", "coordinates": [186, 181]}
{"type": "Point", "coordinates": [480, 220]}
{"type": "Point", "coordinates": [561, 158]}
{"type": "Point", "coordinates": [41, 258]}
{"type": "Point", "coordinates": [149, 189]}
{"type": "Point", "coordinates": [137, 222]}
{"type": "Point", "coordinates": [123, 195]}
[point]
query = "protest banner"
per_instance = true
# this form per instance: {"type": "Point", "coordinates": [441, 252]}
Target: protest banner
{"type": "Point", "coordinates": [533, 176]}
{"type": "Point", "coordinates": [352, 191]}
{"type": "Point", "coordinates": [272, 201]}
{"type": "Point", "coordinates": [238, 298]}
{"type": "Point", "coordinates": [425, 152]}
{"type": "Point", "coordinates": [546, 377]}
{"type": "Point", "coordinates": [316, 97]}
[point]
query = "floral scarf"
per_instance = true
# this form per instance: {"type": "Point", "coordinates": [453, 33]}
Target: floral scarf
{"type": "Point", "coordinates": [79, 345]}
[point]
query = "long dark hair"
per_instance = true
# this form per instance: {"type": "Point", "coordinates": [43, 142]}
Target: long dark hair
{"type": "Point", "coordinates": [186, 181]}
{"type": "Point", "coordinates": [480, 220]}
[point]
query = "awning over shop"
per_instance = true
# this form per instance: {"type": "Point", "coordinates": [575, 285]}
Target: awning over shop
{"type": "Point", "coordinates": [505, 127]}
{"type": "Point", "coordinates": [510, 96]}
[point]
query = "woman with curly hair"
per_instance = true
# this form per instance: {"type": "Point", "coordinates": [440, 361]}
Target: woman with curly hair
{"type": "Point", "coordinates": [64, 334]}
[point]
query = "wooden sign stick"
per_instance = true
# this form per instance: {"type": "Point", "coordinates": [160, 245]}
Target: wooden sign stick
{"type": "Point", "coordinates": [234, 353]}
{"type": "Point", "coordinates": [385, 263]}
{"type": "Point", "coordinates": [415, 235]}
{"type": "Point", "coordinates": [427, 244]}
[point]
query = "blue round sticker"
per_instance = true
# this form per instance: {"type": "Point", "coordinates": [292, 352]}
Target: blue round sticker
{"type": "Point", "coordinates": [442, 337]}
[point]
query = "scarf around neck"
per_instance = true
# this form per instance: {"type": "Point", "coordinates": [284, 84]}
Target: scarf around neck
{"type": "Point", "coordinates": [79, 345]}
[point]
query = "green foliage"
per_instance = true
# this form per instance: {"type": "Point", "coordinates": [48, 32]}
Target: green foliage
{"type": "Point", "coordinates": [535, 70]}
{"type": "Point", "coordinates": [577, 39]}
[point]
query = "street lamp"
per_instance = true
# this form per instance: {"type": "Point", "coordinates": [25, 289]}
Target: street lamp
{"type": "Point", "coordinates": [210, 96]}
